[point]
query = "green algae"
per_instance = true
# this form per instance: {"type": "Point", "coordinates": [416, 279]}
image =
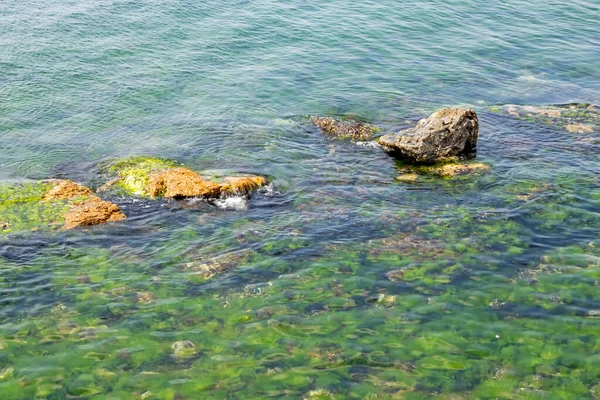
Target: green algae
{"type": "Point", "coordinates": [22, 208]}
{"type": "Point", "coordinates": [132, 173]}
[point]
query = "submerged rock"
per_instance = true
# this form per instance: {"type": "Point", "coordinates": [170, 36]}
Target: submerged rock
{"type": "Point", "coordinates": [408, 178]}
{"type": "Point", "coordinates": [413, 173]}
{"type": "Point", "coordinates": [53, 203]}
{"type": "Point", "coordinates": [457, 169]}
{"type": "Point", "coordinates": [183, 349]}
{"type": "Point", "coordinates": [347, 129]}
{"type": "Point", "coordinates": [574, 118]}
{"type": "Point", "coordinates": [156, 177]}
{"type": "Point", "coordinates": [579, 128]}
{"type": "Point", "coordinates": [444, 134]}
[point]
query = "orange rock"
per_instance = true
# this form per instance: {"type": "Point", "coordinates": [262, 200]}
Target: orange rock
{"type": "Point", "coordinates": [181, 182]}
{"type": "Point", "coordinates": [86, 208]}
{"type": "Point", "coordinates": [65, 189]}
{"type": "Point", "coordinates": [92, 211]}
{"type": "Point", "coordinates": [242, 185]}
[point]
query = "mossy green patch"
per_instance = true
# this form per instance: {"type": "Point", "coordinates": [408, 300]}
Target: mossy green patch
{"type": "Point", "coordinates": [22, 208]}
{"type": "Point", "coordinates": [132, 173]}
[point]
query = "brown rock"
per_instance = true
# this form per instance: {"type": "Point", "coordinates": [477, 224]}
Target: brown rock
{"type": "Point", "coordinates": [92, 211]}
{"type": "Point", "coordinates": [65, 189]}
{"type": "Point", "coordinates": [349, 129]}
{"type": "Point", "coordinates": [242, 185]}
{"type": "Point", "coordinates": [181, 182]}
{"type": "Point", "coordinates": [86, 209]}
{"type": "Point", "coordinates": [444, 134]}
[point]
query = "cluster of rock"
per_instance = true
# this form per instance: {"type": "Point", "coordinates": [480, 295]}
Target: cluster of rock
{"type": "Point", "coordinates": [579, 118]}
{"type": "Point", "coordinates": [438, 144]}
{"type": "Point", "coordinates": [85, 208]}
{"type": "Point", "coordinates": [33, 206]}
{"type": "Point", "coordinates": [441, 144]}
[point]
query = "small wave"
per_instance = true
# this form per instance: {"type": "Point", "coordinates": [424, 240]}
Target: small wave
{"type": "Point", "coordinates": [233, 203]}
{"type": "Point", "coordinates": [269, 191]}
{"type": "Point", "coordinates": [372, 144]}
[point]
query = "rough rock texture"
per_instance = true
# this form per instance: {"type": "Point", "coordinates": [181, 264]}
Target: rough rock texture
{"type": "Point", "coordinates": [92, 211]}
{"type": "Point", "coordinates": [64, 190]}
{"type": "Point", "coordinates": [444, 134]}
{"type": "Point", "coordinates": [453, 169]}
{"type": "Point", "coordinates": [348, 129]}
{"type": "Point", "coordinates": [181, 182]}
{"type": "Point", "coordinates": [157, 177]}
{"type": "Point", "coordinates": [86, 209]}
{"type": "Point", "coordinates": [242, 185]}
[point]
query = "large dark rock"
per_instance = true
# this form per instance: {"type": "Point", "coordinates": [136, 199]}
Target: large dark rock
{"type": "Point", "coordinates": [444, 134]}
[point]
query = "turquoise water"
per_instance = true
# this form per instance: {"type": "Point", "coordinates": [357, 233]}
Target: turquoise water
{"type": "Point", "coordinates": [499, 296]}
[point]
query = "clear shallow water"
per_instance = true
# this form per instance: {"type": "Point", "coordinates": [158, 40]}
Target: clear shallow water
{"type": "Point", "coordinates": [499, 297]}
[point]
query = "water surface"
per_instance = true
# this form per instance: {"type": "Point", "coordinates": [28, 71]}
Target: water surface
{"type": "Point", "coordinates": [499, 296]}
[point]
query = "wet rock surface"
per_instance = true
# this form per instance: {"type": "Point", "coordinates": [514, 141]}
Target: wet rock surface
{"type": "Point", "coordinates": [346, 129]}
{"type": "Point", "coordinates": [446, 133]}
{"type": "Point", "coordinates": [93, 211]}
{"type": "Point", "coordinates": [155, 177]}
{"type": "Point", "coordinates": [181, 182]}
{"type": "Point", "coordinates": [86, 209]}
{"type": "Point", "coordinates": [53, 203]}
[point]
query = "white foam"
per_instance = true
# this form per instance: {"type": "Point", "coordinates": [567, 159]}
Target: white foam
{"type": "Point", "coordinates": [269, 190]}
{"type": "Point", "coordinates": [374, 145]}
{"type": "Point", "coordinates": [233, 203]}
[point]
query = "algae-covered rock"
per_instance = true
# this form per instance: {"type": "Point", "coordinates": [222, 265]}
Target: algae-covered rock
{"type": "Point", "coordinates": [408, 178]}
{"type": "Point", "coordinates": [52, 204]}
{"type": "Point", "coordinates": [444, 134]}
{"type": "Point", "coordinates": [346, 129]}
{"type": "Point", "coordinates": [156, 177]}
{"type": "Point", "coordinates": [574, 118]}
{"type": "Point", "coordinates": [183, 349]}
{"type": "Point", "coordinates": [457, 169]}
{"type": "Point", "coordinates": [131, 175]}
{"type": "Point", "coordinates": [412, 173]}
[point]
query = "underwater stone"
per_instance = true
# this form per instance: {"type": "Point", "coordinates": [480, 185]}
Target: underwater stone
{"type": "Point", "coordinates": [456, 169]}
{"type": "Point", "coordinates": [579, 128]}
{"type": "Point", "coordinates": [408, 178]}
{"type": "Point", "coordinates": [183, 349]}
{"type": "Point", "coordinates": [444, 134]}
{"type": "Point", "coordinates": [346, 129]}
{"type": "Point", "coordinates": [395, 275]}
